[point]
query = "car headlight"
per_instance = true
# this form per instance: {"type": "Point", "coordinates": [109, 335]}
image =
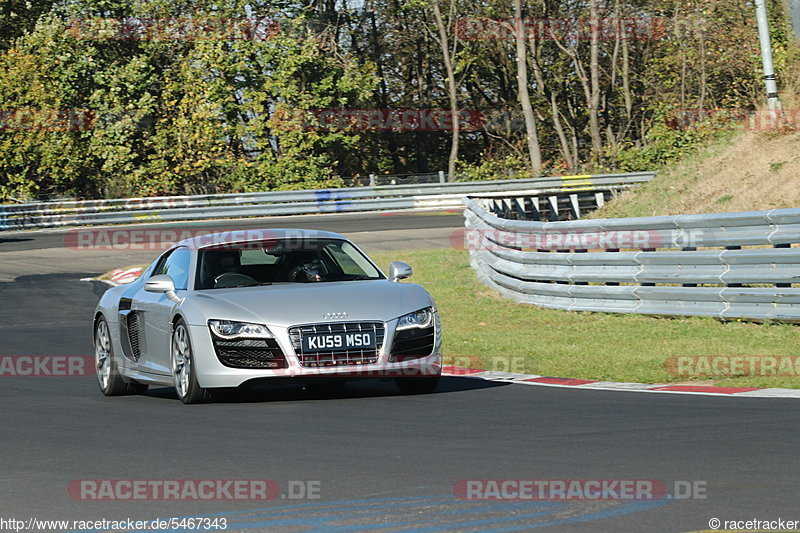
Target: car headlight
{"type": "Point", "coordinates": [228, 329]}
{"type": "Point", "coordinates": [418, 319]}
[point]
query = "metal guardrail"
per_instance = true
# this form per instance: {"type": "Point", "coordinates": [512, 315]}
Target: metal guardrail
{"type": "Point", "coordinates": [667, 265]}
{"type": "Point", "coordinates": [397, 197]}
{"type": "Point", "coordinates": [373, 180]}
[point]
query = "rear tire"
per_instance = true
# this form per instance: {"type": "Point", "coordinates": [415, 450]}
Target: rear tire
{"type": "Point", "coordinates": [108, 377]}
{"type": "Point", "coordinates": [417, 385]}
{"type": "Point", "coordinates": [184, 374]}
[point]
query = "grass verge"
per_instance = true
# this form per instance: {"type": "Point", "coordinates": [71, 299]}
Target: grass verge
{"type": "Point", "coordinates": [743, 172]}
{"type": "Point", "coordinates": [486, 331]}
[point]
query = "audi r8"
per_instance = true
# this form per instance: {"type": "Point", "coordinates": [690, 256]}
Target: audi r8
{"type": "Point", "coordinates": [222, 310]}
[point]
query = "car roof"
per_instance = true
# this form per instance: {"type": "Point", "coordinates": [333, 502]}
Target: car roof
{"type": "Point", "coordinates": [250, 235]}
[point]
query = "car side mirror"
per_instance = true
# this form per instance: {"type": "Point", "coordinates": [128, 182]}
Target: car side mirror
{"type": "Point", "coordinates": [399, 270]}
{"type": "Point", "coordinates": [162, 284]}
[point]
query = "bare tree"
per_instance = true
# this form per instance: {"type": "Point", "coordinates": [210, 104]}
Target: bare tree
{"type": "Point", "coordinates": [570, 157]}
{"type": "Point", "coordinates": [534, 150]}
{"type": "Point", "coordinates": [452, 90]}
{"type": "Point", "coordinates": [594, 73]}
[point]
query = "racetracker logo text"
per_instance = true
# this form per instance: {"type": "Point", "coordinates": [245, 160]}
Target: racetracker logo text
{"type": "Point", "coordinates": [575, 490]}
{"type": "Point", "coordinates": [46, 365]}
{"type": "Point", "coordinates": [396, 120]}
{"type": "Point", "coordinates": [760, 120]}
{"type": "Point", "coordinates": [161, 239]}
{"type": "Point", "coordinates": [42, 120]}
{"type": "Point", "coordinates": [477, 239]}
{"type": "Point", "coordinates": [173, 29]}
{"type": "Point", "coordinates": [686, 366]}
{"type": "Point", "coordinates": [561, 29]}
{"type": "Point", "coordinates": [174, 489]}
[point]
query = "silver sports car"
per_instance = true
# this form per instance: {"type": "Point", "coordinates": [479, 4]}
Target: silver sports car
{"type": "Point", "coordinates": [221, 310]}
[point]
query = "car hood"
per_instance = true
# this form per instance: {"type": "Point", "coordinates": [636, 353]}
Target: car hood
{"type": "Point", "coordinates": [289, 304]}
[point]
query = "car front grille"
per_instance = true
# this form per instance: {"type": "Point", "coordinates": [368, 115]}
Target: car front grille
{"type": "Point", "coordinates": [413, 343]}
{"type": "Point", "coordinates": [337, 357]}
{"type": "Point", "coordinates": [249, 353]}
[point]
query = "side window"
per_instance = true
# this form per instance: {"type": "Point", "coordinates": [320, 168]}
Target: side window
{"type": "Point", "coordinates": [176, 265]}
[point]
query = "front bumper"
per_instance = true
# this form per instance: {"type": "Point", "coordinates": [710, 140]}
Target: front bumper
{"type": "Point", "coordinates": [211, 373]}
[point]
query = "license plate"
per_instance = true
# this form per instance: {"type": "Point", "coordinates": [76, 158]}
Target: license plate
{"type": "Point", "coordinates": [332, 342]}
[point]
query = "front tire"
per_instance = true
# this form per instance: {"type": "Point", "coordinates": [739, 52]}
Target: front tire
{"type": "Point", "coordinates": [417, 385]}
{"type": "Point", "coordinates": [184, 373]}
{"type": "Point", "coordinates": [108, 377]}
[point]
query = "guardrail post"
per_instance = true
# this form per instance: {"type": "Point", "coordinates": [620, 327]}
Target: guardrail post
{"type": "Point", "coordinates": [689, 249]}
{"type": "Point", "coordinates": [576, 208]}
{"type": "Point", "coordinates": [783, 285]}
{"type": "Point", "coordinates": [612, 283]}
{"type": "Point", "coordinates": [506, 203]}
{"type": "Point", "coordinates": [734, 285]}
{"type": "Point", "coordinates": [372, 180]}
{"type": "Point", "coordinates": [599, 199]}
{"type": "Point", "coordinates": [581, 282]}
{"type": "Point", "coordinates": [519, 207]}
{"type": "Point", "coordinates": [536, 214]}
{"type": "Point", "coordinates": [648, 284]}
{"type": "Point", "coordinates": [441, 177]}
{"type": "Point", "coordinates": [552, 202]}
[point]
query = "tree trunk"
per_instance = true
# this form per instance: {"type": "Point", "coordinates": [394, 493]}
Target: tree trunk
{"type": "Point", "coordinates": [594, 73]}
{"type": "Point", "coordinates": [451, 90]}
{"type": "Point", "coordinates": [543, 90]}
{"type": "Point", "coordinates": [703, 81]}
{"type": "Point", "coordinates": [534, 150]}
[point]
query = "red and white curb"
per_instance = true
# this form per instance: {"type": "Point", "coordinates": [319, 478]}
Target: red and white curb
{"type": "Point", "coordinates": [119, 276]}
{"type": "Point", "coordinates": [547, 381]}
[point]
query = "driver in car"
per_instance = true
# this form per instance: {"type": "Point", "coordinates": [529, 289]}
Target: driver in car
{"type": "Point", "coordinates": [220, 262]}
{"type": "Point", "coordinates": [313, 271]}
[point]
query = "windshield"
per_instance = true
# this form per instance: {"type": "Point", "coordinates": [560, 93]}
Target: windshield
{"type": "Point", "coordinates": [282, 261]}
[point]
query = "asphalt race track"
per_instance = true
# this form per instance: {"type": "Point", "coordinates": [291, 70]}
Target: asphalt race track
{"type": "Point", "coordinates": [377, 460]}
